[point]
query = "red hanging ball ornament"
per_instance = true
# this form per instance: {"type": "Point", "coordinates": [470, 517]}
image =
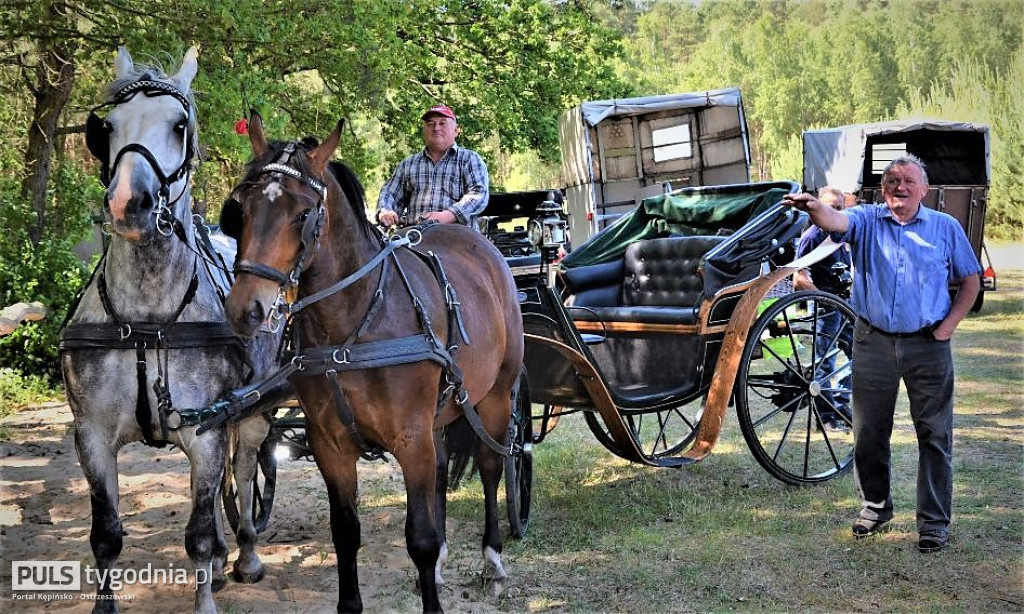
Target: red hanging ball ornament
{"type": "Point", "coordinates": [242, 126]}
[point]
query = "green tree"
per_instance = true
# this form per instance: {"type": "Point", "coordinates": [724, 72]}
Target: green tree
{"type": "Point", "coordinates": [509, 67]}
{"type": "Point", "coordinates": [816, 63]}
{"type": "Point", "coordinates": [977, 93]}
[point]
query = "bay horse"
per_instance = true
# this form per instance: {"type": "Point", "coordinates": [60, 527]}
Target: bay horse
{"type": "Point", "coordinates": [388, 353]}
{"type": "Point", "coordinates": [148, 336]}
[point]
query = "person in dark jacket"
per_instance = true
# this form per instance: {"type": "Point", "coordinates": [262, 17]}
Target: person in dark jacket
{"type": "Point", "coordinates": [831, 274]}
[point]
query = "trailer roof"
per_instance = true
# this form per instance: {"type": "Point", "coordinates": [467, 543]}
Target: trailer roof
{"type": "Point", "coordinates": [596, 111]}
{"type": "Point", "coordinates": [835, 156]}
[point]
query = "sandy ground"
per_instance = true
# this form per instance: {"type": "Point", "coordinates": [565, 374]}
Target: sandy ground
{"type": "Point", "coordinates": [45, 515]}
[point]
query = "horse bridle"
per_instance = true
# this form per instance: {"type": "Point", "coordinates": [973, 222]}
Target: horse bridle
{"type": "Point", "coordinates": [311, 227]}
{"type": "Point", "coordinates": [97, 139]}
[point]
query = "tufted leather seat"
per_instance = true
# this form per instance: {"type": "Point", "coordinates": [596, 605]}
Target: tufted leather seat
{"type": "Point", "coordinates": [661, 283]}
{"type": "Point", "coordinates": [663, 272]}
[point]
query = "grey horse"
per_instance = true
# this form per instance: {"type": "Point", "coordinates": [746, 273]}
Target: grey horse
{"type": "Point", "coordinates": [148, 338]}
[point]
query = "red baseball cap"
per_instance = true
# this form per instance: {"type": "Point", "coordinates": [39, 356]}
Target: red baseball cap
{"type": "Point", "coordinates": [439, 109]}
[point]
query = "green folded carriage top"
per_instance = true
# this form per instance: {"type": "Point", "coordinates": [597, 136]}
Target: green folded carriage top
{"type": "Point", "coordinates": [705, 210]}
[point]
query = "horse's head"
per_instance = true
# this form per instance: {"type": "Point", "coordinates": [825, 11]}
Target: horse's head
{"type": "Point", "coordinates": [276, 214]}
{"type": "Point", "coordinates": [145, 145]}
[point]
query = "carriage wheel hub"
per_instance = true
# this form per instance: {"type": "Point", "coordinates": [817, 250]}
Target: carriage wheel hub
{"type": "Point", "coordinates": [814, 389]}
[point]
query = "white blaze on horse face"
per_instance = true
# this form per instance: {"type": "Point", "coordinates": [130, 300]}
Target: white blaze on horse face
{"type": "Point", "coordinates": [273, 191]}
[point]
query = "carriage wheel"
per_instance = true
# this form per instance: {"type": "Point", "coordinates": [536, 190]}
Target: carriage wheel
{"type": "Point", "coordinates": [264, 484]}
{"type": "Point", "coordinates": [519, 464]}
{"type": "Point", "coordinates": [661, 435]}
{"type": "Point", "coordinates": [782, 388]}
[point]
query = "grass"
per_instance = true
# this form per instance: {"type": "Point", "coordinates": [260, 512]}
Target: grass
{"type": "Point", "coordinates": [17, 391]}
{"type": "Point", "coordinates": [724, 536]}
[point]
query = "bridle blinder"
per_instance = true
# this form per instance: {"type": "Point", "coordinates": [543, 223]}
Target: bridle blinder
{"type": "Point", "coordinates": [97, 139]}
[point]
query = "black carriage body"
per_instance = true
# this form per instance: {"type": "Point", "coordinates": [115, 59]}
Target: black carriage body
{"type": "Point", "coordinates": [644, 329]}
{"type": "Point", "coordinates": [651, 309]}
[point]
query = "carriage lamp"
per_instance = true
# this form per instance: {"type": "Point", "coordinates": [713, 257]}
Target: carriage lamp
{"type": "Point", "coordinates": [547, 230]}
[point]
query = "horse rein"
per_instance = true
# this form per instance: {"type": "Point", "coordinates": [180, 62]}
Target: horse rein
{"type": "Point", "coordinates": [97, 137]}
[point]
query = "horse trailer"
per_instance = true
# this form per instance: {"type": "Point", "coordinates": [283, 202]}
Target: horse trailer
{"type": "Point", "coordinates": [617, 152]}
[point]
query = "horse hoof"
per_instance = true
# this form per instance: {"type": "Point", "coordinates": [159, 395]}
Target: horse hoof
{"type": "Point", "coordinates": [496, 588]}
{"type": "Point", "coordinates": [247, 577]}
{"type": "Point", "coordinates": [218, 584]}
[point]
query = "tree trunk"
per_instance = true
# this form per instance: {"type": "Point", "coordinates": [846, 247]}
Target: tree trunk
{"type": "Point", "coordinates": [54, 78]}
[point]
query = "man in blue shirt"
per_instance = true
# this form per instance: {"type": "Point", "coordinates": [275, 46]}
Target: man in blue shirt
{"type": "Point", "coordinates": [904, 255]}
{"type": "Point", "coordinates": [443, 183]}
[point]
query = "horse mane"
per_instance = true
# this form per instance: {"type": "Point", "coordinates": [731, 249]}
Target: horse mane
{"type": "Point", "coordinates": [355, 194]}
{"type": "Point", "coordinates": [347, 179]}
{"type": "Point", "coordinates": [154, 72]}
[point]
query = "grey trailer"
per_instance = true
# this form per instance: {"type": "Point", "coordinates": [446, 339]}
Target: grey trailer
{"type": "Point", "coordinates": [956, 154]}
{"type": "Point", "coordinates": [615, 153]}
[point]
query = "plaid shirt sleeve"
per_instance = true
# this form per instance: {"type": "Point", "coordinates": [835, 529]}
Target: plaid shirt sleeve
{"type": "Point", "coordinates": [477, 181]}
{"type": "Point", "coordinates": [458, 182]}
{"type": "Point", "coordinates": [392, 194]}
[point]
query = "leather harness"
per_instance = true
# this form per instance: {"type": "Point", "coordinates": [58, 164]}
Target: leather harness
{"type": "Point", "coordinates": [170, 334]}
{"type": "Point", "coordinates": [119, 334]}
{"type": "Point", "coordinates": [353, 355]}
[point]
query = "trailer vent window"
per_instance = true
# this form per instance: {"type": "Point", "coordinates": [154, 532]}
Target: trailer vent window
{"type": "Point", "coordinates": [672, 143]}
{"type": "Point", "coordinates": [884, 153]}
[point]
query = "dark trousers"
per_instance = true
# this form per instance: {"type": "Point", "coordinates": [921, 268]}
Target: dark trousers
{"type": "Point", "coordinates": [925, 366]}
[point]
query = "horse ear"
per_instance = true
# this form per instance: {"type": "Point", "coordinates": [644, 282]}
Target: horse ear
{"type": "Point", "coordinates": [189, 67]}
{"type": "Point", "coordinates": [256, 138]}
{"type": "Point", "coordinates": [123, 64]}
{"type": "Point", "coordinates": [318, 157]}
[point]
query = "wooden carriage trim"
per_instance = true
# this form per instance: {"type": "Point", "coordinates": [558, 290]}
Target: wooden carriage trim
{"type": "Point", "coordinates": [600, 397]}
{"type": "Point", "coordinates": [587, 326]}
{"type": "Point", "coordinates": [724, 378]}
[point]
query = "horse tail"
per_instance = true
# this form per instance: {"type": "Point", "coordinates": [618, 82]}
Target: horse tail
{"type": "Point", "coordinates": [461, 443]}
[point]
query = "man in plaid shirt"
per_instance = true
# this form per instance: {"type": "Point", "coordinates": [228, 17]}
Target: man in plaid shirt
{"type": "Point", "coordinates": [444, 182]}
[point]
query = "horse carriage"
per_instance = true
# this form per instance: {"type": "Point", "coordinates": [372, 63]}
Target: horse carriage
{"type": "Point", "coordinates": [432, 345]}
{"type": "Point", "coordinates": [679, 309]}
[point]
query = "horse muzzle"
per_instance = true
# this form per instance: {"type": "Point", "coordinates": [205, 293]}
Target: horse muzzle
{"type": "Point", "coordinates": [249, 305]}
{"type": "Point", "coordinates": [135, 214]}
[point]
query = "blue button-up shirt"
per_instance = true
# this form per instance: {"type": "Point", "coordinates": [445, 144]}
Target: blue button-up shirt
{"type": "Point", "coordinates": [458, 182]}
{"type": "Point", "coordinates": [902, 272]}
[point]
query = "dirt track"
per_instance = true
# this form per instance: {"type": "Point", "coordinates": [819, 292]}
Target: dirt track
{"type": "Point", "coordinates": [45, 515]}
